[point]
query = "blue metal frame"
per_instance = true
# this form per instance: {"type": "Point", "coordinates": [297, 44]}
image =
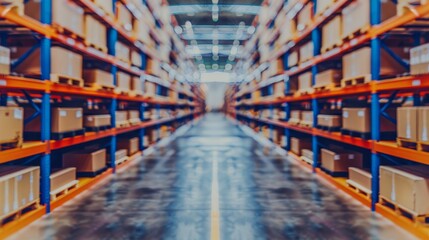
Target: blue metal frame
{"type": "Point", "coordinates": [375, 18]}
{"type": "Point", "coordinates": [142, 130]}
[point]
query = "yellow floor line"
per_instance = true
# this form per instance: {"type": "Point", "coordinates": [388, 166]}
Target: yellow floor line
{"type": "Point", "coordinates": [215, 215]}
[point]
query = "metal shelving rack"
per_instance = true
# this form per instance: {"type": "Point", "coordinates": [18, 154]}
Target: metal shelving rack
{"type": "Point", "coordinates": [375, 90]}
{"type": "Point", "coordinates": [45, 89]}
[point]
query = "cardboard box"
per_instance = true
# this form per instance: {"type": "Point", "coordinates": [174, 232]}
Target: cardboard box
{"type": "Point", "coordinates": [412, 191]}
{"type": "Point", "coordinates": [98, 78]}
{"type": "Point", "coordinates": [295, 116]}
{"type": "Point", "coordinates": [362, 178]}
{"type": "Point", "coordinates": [328, 78]}
{"type": "Point", "coordinates": [62, 120]}
{"type": "Point", "coordinates": [419, 59]}
{"type": "Point", "coordinates": [307, 155]}
{"type": "Point", "coordinates": [120, 156]}
{"type": "Point", "coordinates": [137, 85]}
{"type": "Point", "coordinates": [408, 125]}
{"type": "Point", "coordinates": [19, 187]}
{"type": "Point", "coordinates": [305, 81]}
{"type": "Point", "coordinates": [331, 34]}
{"type": "Point", "coordinates": [123, 52]}
{"type": "Point", "coordinates": [150, 89]}
{"type": "Point", "coordinates": [4, 60]}
{"type": "Point", "coordinates": [124, 81]}
{"type": "Point", "coordinates": [422, 124]}
{"type": "Point", "coordinates": [293, 59]}
{"type": "Point", "coordinates": [62, 177]}
{"type": "Point", "coordinates": [11, 125]}
{"type": "Point", "coordinates": [63, 62]}
{"type": "Point", "coordinates": [304, 18]}
{"type": "Point", "coordinates": [85, 160]}
{"type": "Point", "coordinates": [297, 144]}
{"type": "Point", "coordinates": [65, 14]}
{"type": "Point", "coordinates": [356, 15]}
{"type": "Point", "coordinates": [306, 52]}
{"type": "Point", "coordinates": [307, 118]}
{"type": "Point", "coordinates": [130, 144]}
{"type": "Point", "coordinates": [288, 30]}
{"type": "Point", "coordinates": [146, 141]}
{"type": "Point", "coordinates": [358, 63]}
{"type": "Point", "coordinates": [106, 5]}
{"type": "Point", "coordinates": [359, 120]}
{"type": "Point", "coordinates": [97, 120]}
{"type": "Point", "coordinates": [142, 33]}
{"type": "Point", "coordinates": [322, 5]}
{"type": "Point", "coordinates": [279, 89]}
{"type": "Point", "coordinates": [153, 67]}
{"type": "Point", "coordinates": [326, 120]}
{"type": "Point", "coordinates": [121, 117]}
{"type": "Point", "coordinates": [275, 68]}
{"type": "Point", "coordinates": [136, 59]}
{"type": "Point", "coordinates": [124, 17]}
{"type": "Point", "coordinates": [339, 161]}
{"type": "Point", "coordinates": [134, 116]}
{"type": "Point", "coordinates": [95, 33]}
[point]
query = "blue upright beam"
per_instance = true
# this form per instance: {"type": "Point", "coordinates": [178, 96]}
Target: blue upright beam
{"type": "Point", "coordinates": [45, 69]}
{"type": "Point", "coordinates": [142, 130]}
{"type": "Point", "coordinates": [316, 38]}
{"type": "Point", "coordinates": [375, 18]}
{"type": "Point", "coordinates": [287, 130]}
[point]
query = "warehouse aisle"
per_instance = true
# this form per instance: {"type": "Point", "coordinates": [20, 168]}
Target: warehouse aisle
{"type": "Point", "coordinates": [214, 182]}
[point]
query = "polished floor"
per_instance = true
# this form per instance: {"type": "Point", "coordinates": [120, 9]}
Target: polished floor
{"type": "Point", "coordinates": [213, 182]}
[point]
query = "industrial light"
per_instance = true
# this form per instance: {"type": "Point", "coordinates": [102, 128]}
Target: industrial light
{"type": "Point", "coordinates": [215, 57]}
{"type": "Point", "coordinates": [215, 50]}
{"type": "Point", "coordinates": [178, 30]}
{"type": "Point", "coordinates": [251, 30]}
{"type": "Point", "coordinates": [228, 67]}
{"type": "Point", "coordinates": [215, 66]}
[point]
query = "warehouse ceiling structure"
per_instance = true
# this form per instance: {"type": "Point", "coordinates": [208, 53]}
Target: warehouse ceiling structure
{"type": "Point", "coordinates": [215, 30]}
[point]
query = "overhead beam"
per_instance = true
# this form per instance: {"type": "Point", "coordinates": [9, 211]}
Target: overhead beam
{"type": "Point", "coordinates": [201, 8]}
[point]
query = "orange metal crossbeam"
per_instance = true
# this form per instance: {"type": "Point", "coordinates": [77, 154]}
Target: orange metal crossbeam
{"type": "Point", "coordinates": [392, 149]}
{"type": "Point", "coordinates": [28, 149]}
{"type": "Point", "coordinates": [25, 220]}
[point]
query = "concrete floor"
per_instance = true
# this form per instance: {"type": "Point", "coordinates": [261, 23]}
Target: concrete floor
{"type": "Point", "coordinates": [213, 182]}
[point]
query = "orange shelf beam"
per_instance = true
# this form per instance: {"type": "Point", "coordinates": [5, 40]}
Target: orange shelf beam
{"type": "Point", "coordinates": [417, 230]}
{"type": "Point", "coordinates": [392, 149]}
{"type": "Point", "coordinates": [359, 142]}
{"type": "Point", "coordinates": [340, 184]}
{"type": "Point", "coordinates": [21, 83]}
{"type": "Point", "coordinates": [28, 149]}
{"type": "Point", "coordinates": [10, 228]}
{"type": "Point", "coordinates": [87, 137]}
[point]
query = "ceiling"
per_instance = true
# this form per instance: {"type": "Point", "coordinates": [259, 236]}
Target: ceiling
{"type": "Point", "coordinates": [214, 30]}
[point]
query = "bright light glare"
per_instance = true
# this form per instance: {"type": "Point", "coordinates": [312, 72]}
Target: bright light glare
{"type": "Point", "coordinates": [215, 77]}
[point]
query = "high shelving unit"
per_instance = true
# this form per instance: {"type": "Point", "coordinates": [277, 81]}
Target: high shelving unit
{"type": "Point", "coordinates": [239, 103]}
{"type": "Point", "coordinates": [45, 91]}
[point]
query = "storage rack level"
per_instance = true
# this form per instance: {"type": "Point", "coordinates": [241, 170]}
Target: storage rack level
{"type": "Point", "coordinates": [389, 89]}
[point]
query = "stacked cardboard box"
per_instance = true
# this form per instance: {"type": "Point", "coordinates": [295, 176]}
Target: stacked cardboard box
{"type": "Point", "coordinates": [120, 156]}
{"type": "Point", "coordinates": [295, 116]}
{"type": "Point", "coordinates": [419, 59]}
{"type": "Point", "coordinates": [98, 78]}
{"type": "Point", "coordinates": [322, 5]}
{"type": "Point", "coordinates": [331, 34]}
{"type": "Point", "coordinates": [106, 5]}
{"type": "Point", "coordinates": [19, 188]}
{"type": "Point", "coordinates": [153, 67]}
{"type": "Point", "coordinates": [304, 18]}
{"type": "Point", "coordinates": [91, 121]}
{"type": "Point", "coordinates": [133, 117]}
{"type": "Point", "coordinates": [293, 59]}
{"type": "Point", "coordinates": [62, 179]}
{"type": "Point", "coordinates": [339, 160]}
{"type": "Point", "coordinates": [331, 121]}
{"type": "Point", "coordinates": [150, 89]}
{"type": "Point", "coordinates": [123, 52]}
{"type": "Point", "coordinates": [85, 160]}
{"type": "Point", "coordinates": [4, 60]}
{"type": "Point", "coordinates": [407, 187]}
{"type": "Point", "coordinates": [121, 118]}
{"type": "Point", "coordinates": [95, 33]}
{"type": "Point", "coordinates": [307, 155]}
{"type": "Point", "coordinates": [124, 17]}
{"type": "Point", "coordinates": [413, 124]}
{"type": "Point", "coordinates": [307, 118]}
{"type": "Point", "coordinates": [63, 62]}
{"type": "Point", "coordinates": [359, 120]}
{"type": "Point", "coordinates": [123, 82]}
{"type": "Point", "coordinates": [130, 144]}
{"type": "Point", "coordinates": [65, 14]}
{"type": "Point", "coordinates": [298, 144]}
{"type": "Point", "coordinates": [305, 82]}
{"type": "Point", "coordinates": [306, 52]}
{"type": "Point", "coordinates": [361, 179]}
{"type": "Point", "coordinates": [11, 125]}
{"type": "Point", "coordinates": [328, 78]}
{"type": "Point", "coordinates": [62, 120]}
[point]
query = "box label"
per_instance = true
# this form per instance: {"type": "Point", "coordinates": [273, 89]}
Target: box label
{"type": "Point", "coordinates": [337, 157]}
{"type": "Point", "coordinates": [79, 114]}
{"type": "Point", "coordinates": [17, 113]}
{"type": "Point", "coordinates": [63, 113]}
{"type": "Point", "coordinates": [361, 113]}
{"type": "Point", "coordinates": [345, 114]}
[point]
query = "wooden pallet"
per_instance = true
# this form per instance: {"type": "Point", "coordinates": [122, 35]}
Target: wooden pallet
{"type": "Point", "coordinates": [121, 91]}
{"type": "Point", "coordinates": [322, 10]}
{"type": "Point", "coordinates": [405, 143]}
{"type": "Point", "coordinates": [303, 92]}
{"type": "Point", "coordinates": [97, 87]}
{"type": "Point", "coordinates": [359, 188]}
{"type": "Point", "coordinates": [13, 216]}
{"type": "Point", "coordinates": [347, 82]}
{"type": "Point", "coordinates": [307, 160]}
{"type": "Point", "coordinates": [325, 49]}
{"type": "Point", "coordinates": [122, 124]}
{"type": "Point", "coordinates": [63, 190]}
{"type": "Point", "coordinates": [121, 160]}
{"type": "Point", "coordinates": [92, 174]}
{"type": "Point", "coordinates": [106, 11]}
{"type": "Point", "coordinates": [358, 32]}
{"type": "Point", "coordinates": [134, 121]}
{"type": "Point", "coordinates": [329, 129]}
{"type": "Point", "coordinates": [350, 133]}
{"type": "Point", "coordinates": [306, 124]}
{"type": "Point", "coordinates": [95, 46]}
{"type": "Point", "coordinates": [419, 219]}
{"type": "Point", "coordinates": [326, 88]}
{"type": "Point", "coordinates": [67, 80]}
{"type": "Point", "coordinates": [16, 7]}
{"type": "Point", "coordinates": [135, 93]}
{"type": "Point", "coordinates": [403, 8]}
{"type": "Point", "coordinates": [12, 143]}
{"type": "Point", "coordinates": [98, 129]}
{"type": "Point", "coordinates": [68, 32]}
{"type": "Point", "coordinates": [334, 174]}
